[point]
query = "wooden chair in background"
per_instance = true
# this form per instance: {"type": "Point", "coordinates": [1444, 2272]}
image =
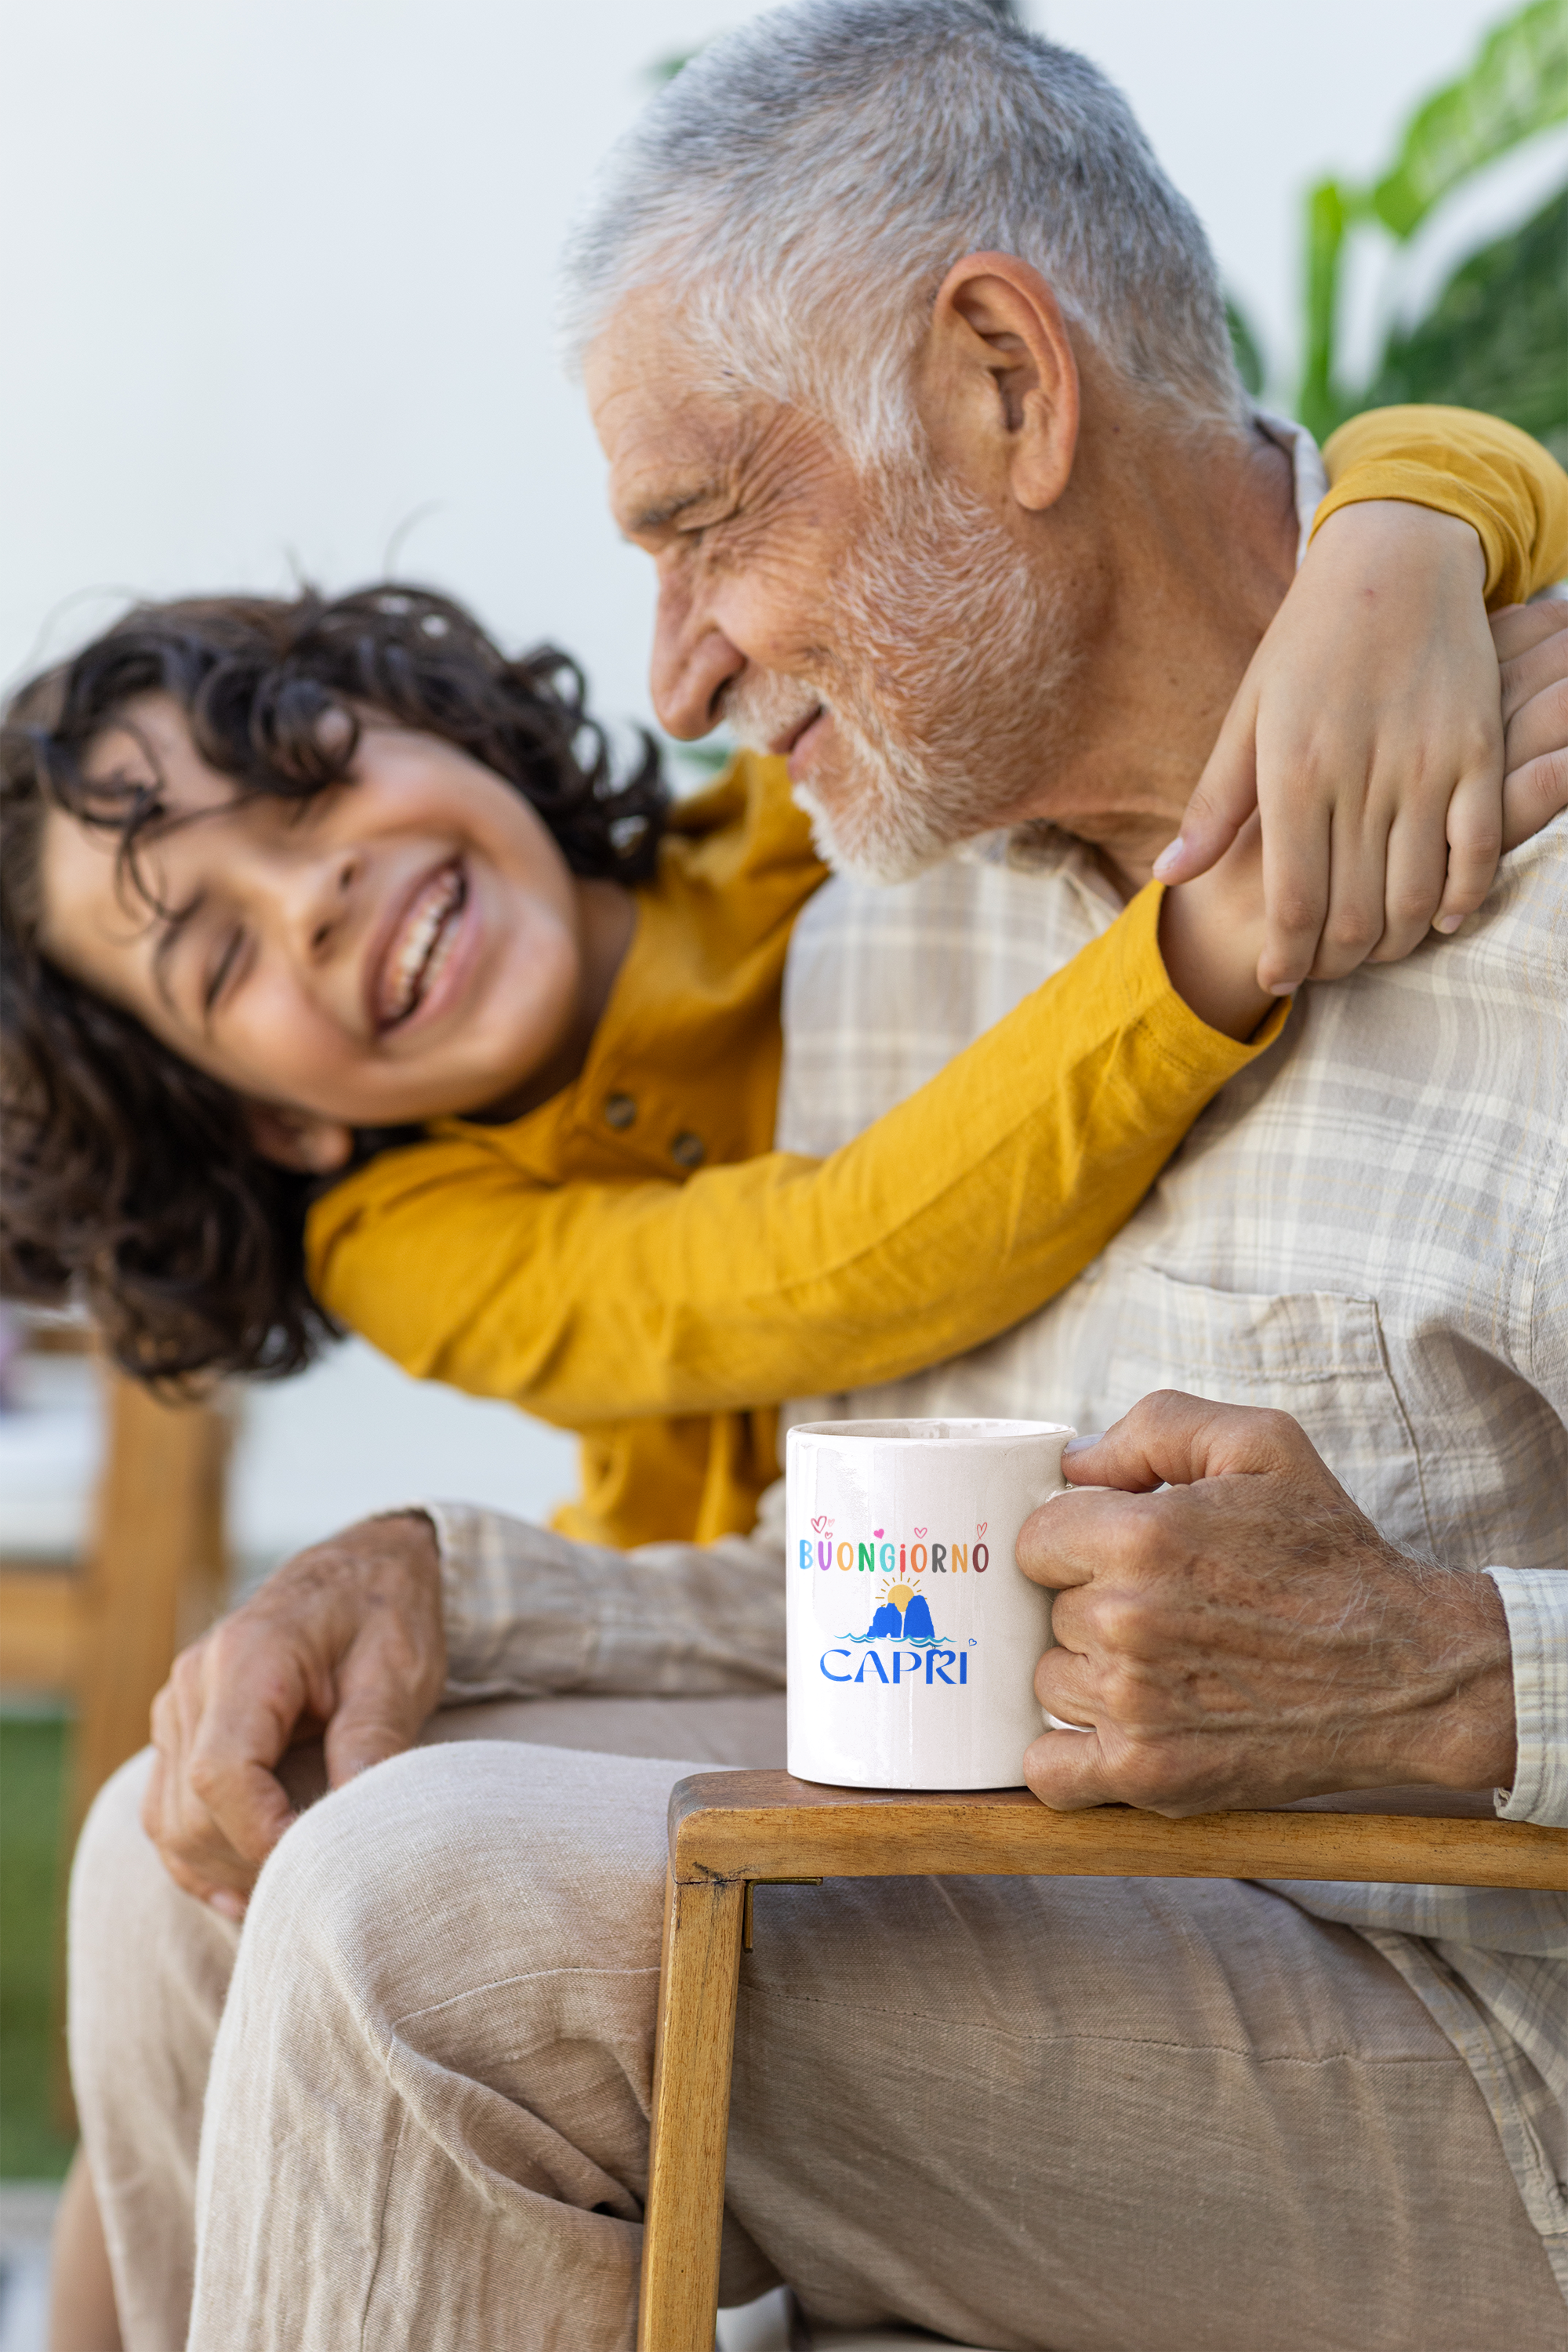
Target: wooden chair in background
{"type": "Point", "coordinates": [101, 1631]}
{"type": "Point", "coordinates": [730, 1832]}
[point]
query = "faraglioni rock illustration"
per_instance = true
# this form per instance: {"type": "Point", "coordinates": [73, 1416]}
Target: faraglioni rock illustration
{"type": "Point", "coordinates": [918, 1626]}
{"type": "Point", "coordinates": [901, 1615]}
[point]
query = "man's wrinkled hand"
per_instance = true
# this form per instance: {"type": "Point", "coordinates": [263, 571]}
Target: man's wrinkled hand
{"type": "Point", "coordinates": [343, 1642]}
{"type": "Point", "coordinates": [1245, 1636]}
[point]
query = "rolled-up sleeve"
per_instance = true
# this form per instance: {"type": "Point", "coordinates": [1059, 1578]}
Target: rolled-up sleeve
{"type": "Point", "coordinates": [529, 1613]}
{"type": "Point", "coordinates": [1510, 490]}
{"type": "Point", "coordinates": [1536, 1602]}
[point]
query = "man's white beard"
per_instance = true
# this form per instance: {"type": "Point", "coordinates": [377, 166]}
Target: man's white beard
{"type": "Point", "coordinates": [948, 657]}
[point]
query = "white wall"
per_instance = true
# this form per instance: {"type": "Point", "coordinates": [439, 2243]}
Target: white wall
{"type": "Point", "coordinates": [276, 273]}
{"type": "Point", "coordinates": [275, 278]}
{"type": "Point", "coordinates": [355, 1435]}
{"type": "Point", "coordinates": [1249, 102]}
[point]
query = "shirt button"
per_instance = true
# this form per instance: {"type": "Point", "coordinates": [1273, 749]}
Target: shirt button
{"type": "Point", "coordinates": [688, 1150]}
{"type": "Point", "coordinates": [620, 1110]}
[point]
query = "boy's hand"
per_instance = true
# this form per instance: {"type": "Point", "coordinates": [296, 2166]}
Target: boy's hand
{"type": "Point", "coordinates": [1532, 643]}
{"type": "Point", "coordinates": [1368, 734]}
{"type": "Point", "coordinates": [1212, 928]}
{"type": "Point", "coordinates": [344, 1639]}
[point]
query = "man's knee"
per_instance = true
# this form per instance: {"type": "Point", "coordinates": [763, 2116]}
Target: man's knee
{"type": "Point", "coordinates": [150, 1969]}
{"type": "Point", "coordinates": [544, 1858]}
{"type": "Point", "coordinates": [126, 1912]}
{"type": "Point", "coordinates": [113, 1845]}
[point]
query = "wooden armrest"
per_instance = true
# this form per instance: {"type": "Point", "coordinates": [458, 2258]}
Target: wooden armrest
{"type": "Point", "coordinates": [731, 1829]}
{"type": "Point", "coordinates": [729, 1826]}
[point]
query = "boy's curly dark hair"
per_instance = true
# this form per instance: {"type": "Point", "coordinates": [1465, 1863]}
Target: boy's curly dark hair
{"type": "Point", "coordinates": [131, 1182]}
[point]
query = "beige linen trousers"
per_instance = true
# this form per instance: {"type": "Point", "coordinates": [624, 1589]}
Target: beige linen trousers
{"type": "Point", "coordinates": [407, 2106]}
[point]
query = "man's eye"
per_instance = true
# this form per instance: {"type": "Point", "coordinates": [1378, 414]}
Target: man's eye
{"type": "Point", "coordinates": [218, 978]}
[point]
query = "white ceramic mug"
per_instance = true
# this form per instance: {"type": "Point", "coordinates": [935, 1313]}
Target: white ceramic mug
{"type": "Point", "coordinates": [913, 1633]}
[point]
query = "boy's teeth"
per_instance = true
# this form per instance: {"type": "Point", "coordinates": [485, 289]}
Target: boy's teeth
{"type": "Point", "coordinates": [418, 950]}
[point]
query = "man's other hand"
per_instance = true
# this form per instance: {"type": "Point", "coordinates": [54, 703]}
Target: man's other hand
{"type": "Point", "coordinates": [1245, 1636]}
{"type": "Point", "coordinates": [344, 1641]}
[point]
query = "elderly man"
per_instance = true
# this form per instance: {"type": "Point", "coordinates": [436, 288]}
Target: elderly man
{"type": "Point", "coordinates": [983, 543]}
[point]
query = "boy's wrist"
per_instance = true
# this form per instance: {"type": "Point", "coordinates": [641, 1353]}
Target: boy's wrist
{"type": "Point", "coordinates": [1211, 934]}
{"type": "Point", "coordinates": [1370, 526]}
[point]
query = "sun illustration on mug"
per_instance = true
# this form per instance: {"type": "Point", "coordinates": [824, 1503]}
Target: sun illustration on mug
{"type": "Point", "coordinates": [901, 1615]}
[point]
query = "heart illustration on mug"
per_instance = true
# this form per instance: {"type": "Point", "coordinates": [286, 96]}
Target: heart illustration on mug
{"type": "Point", "coordinates": [981, 1526]}
{"type": "Point", "coordinates": [879, 1531]}
{"type": "Point", "coordinates": [920, 1531]}
{"type": "Point", "coordinates": [820, 1523]}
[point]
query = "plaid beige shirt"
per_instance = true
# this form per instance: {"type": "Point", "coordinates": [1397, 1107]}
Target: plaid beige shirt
{"type": "Point", "coordinates": [1368, 1230]}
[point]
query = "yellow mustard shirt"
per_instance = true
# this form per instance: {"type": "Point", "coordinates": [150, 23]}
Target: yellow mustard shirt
{"type": "Point", "coordinates": [632, 1261]}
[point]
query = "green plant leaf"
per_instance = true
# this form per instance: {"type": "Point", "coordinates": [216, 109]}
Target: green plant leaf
{"type": "Point", "coordinates": [665, 69]}
{"type": "Point", "coordinates": [1497, 336]}
{"type": "Point", "coordinates": [1244, 345]}
{"type": "Point", "coordinates": [1516, 86]}
{"type": "Point", "coordinates": [708, 759]}
{"type": "Point", "coordinates": [1330, 208]}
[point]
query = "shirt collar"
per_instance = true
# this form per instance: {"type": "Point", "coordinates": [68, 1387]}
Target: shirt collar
{"type": "Point", "coordinates": [1306, 467]}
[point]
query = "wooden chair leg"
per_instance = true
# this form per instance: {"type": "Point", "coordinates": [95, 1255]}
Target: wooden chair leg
{"type": "Point", "coordinates": [154, 1578]}
{"type": "Point", "coordinates": [692, 2058]}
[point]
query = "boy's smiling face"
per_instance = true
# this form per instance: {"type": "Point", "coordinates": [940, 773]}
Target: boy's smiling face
{"type": "Point", "coordinates": [406, 943]}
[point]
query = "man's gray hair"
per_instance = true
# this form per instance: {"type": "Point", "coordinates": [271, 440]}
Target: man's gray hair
{"type": "Point", "coordinates": [803, 187]}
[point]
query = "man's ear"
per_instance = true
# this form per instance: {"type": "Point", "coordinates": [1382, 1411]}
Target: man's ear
{"type": "Point", "coordinates": [298, 1139]}
{"type": "Point", "coordinates": [998, 380]}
